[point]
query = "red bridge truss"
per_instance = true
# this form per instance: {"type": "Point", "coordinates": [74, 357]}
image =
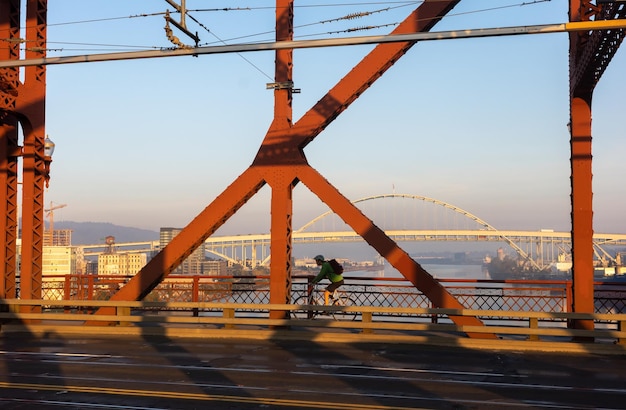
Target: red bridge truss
{"type": "Point", "coordinates": [280, 161]}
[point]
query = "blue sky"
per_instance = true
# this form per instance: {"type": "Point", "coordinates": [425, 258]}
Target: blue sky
{"type": "Point", "coordinates": [477, 123]}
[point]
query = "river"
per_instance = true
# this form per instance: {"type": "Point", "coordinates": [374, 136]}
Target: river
{"type": "Point", "coordinates": [439, 271]}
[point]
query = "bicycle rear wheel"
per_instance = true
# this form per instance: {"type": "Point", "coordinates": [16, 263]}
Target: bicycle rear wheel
{"type": "Point", "coordinates": [301, 313]}
{"type": "Point", "coordinates": [344, 301]}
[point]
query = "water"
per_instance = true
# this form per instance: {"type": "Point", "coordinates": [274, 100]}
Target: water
{"type": "Point", "coordinates": [456, 271]}
{"type": "Point", "coordinates": [439, 271]}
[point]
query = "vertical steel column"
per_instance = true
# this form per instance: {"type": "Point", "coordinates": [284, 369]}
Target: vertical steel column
{"type": "Point", "coordinates": [279, 178]}
{"type": "Point", "coordinates": [31, 104]}
{"type": "Point", "coordinates": [284, 66]}
{"type": "Point", "coordinates": [9, 200]}
{"type": "Point", "coordinates": [582, 209]}
{"type": "Point", "coordinates": [280, 162]}
{"type": "Point", "coordinates": [9, 149]}
{"type": "Point", "coordinates": [581, 91]}
{"type": "Point", "coordinates": [281, 245]}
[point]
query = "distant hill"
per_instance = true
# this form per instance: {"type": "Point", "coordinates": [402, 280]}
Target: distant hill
{"type": "Point", "coordinates": [90, 233]}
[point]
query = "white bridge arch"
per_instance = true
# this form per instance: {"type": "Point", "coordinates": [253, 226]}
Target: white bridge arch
{"type": "Point", "coordinates": [522, 254]}
{"type": "Point", "coordinates": [543, 247]}
{"type": "Point", "coordinates": [539, 248]}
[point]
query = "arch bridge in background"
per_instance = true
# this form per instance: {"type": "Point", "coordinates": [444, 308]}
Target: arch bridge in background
{"type": "Point", "coordinates": [542, 247]}
{"type": "Point", "coordinates": [522, 254]}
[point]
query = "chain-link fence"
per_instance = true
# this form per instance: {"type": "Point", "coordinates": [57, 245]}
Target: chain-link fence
{"type": "Point", "coordinates": [378, 292]}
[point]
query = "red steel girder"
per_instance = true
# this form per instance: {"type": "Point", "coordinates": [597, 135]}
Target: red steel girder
{"type": "Point", "coordinates": [9, 81]}
{"type": "Point", "coordinates": [350, 87]}
{"type": "Point", "coordinates": [607, 41]}
{"type": "Point", "coordinates": [281, 182]}
{"type": "Point", "coordinates": [192, 236]}
{"type": "Point", "coordinates": [590, 54]}
{"type": "Point", "coordinates": [30, 109]}
{"type": "Point", "coordinates": [23, 104]}
{"type": "Point", "coordinates": [386, 247]}
{"type": "Point", "coordinates": [592, 51]}
{"type": "Point", "coordinates": [9, 200]}
{"type": "Point", "coordinates": [280, 162]}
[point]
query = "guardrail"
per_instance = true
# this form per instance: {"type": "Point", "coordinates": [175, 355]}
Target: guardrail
{"type": "Point", "coordinates": [544, 331]}
{"type": "Point", "coordinates": [515, 295]}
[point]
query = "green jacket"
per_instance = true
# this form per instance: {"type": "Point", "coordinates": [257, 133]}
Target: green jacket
{"type": "Point", "coordinates": [328, 273]}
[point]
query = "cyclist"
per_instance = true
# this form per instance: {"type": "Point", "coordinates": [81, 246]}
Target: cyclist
{"type": "Point", "coordinates": [327, 272]}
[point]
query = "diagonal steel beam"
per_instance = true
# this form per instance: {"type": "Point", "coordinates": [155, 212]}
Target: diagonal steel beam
{"type": "Point", "coordinates": [385, 246]}
{"type": "Point", "coordinates": [367, 71]}
{"type": "Point", "coordinates": [290, 142]}
{"type": "Point", "coordinates": [280, 163]}
{"type": "Point", "coordinates": [192, 236]}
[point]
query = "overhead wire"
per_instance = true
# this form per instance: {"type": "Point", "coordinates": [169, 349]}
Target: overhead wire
{"type": "Point", "coordinates": [413, 3]}
{"type": "Point", "coordinates": [321, 5]}
{"type": "Point", "coordinates": [350, 16]}
{"type": "Point", "coordinates": [106, 19]}
{"type": "Point", "coordinates": [347, 17]}
{"type": "Point", "coordinates": [223, 42]}
{"type": "Point", "coordinates": [117, 47]}
{"type": "Point", "coordinates": [401, 4]}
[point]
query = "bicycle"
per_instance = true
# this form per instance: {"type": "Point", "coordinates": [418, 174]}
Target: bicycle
{"type": "Point", "coordinates": [316, 298]}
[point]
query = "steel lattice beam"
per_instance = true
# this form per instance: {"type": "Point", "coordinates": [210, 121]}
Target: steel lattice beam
{"type": "Point", "coordinates": [9, 81]}
{"type": "Point", "coordinates": [30, 106]}
{"type": "Point", "coordinates": [23, 103]}
{"type": "Point", "coordinates": [592, 51]}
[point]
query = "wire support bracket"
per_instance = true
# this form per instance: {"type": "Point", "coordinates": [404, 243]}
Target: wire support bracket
{"type": "Point", "coordinates": [284, 85]}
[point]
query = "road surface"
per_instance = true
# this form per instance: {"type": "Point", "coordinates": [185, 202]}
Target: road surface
{"type": "Point", "coordinates": [67, 372]}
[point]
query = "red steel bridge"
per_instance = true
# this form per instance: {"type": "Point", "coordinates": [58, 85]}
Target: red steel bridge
{"type": "Point", "coordinates": [595, 33]}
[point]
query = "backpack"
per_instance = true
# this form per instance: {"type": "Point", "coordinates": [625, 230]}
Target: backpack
{"type": "Point", "coordinates": [337, 267]}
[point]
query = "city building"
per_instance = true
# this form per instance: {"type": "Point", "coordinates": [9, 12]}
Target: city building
{"type": "Point", "coordinates": [121, 263]}
{"type": "Point", "coordinates": [58, 261]}
{"type": "Point", "coordinates": [194, 264]}
{"type": "Point", "coordinates": [215, 267]}
{"type": "Point", "coordinates": [58, 237]}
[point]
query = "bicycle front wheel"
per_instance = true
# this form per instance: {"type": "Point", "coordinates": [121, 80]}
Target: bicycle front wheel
{"type": "Point", "coordinates": [344, 301]}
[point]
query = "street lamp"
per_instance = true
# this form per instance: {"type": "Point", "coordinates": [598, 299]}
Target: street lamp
{"type": "Point", "coordinates": [48, 150]}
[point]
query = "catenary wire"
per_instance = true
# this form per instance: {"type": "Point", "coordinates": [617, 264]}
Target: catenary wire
{"type": "Point", "coordinates": [223, 42]}
{"type": "Point", "coordinates": [402, 4]}
{"type": "Point", "coordinates": [349, 16]}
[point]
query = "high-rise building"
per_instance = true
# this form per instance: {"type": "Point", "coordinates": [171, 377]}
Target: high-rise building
{"type": "Point", "coordinates": [58, 237]}
{"type": "Point", "coordinates": [194, 264]}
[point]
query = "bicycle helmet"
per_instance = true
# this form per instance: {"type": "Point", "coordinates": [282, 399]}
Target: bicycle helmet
{"type": "Point", "coordinates": [319, 258]}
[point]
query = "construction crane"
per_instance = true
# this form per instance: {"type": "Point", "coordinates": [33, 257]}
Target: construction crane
{"type": "Point", "coordinates": [50, 213]}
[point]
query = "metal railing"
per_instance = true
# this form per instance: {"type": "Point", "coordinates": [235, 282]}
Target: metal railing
{"type": "Point", "coordinates": [523, 296]}
{"type": "Point", "coordinates": [543, 331]}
